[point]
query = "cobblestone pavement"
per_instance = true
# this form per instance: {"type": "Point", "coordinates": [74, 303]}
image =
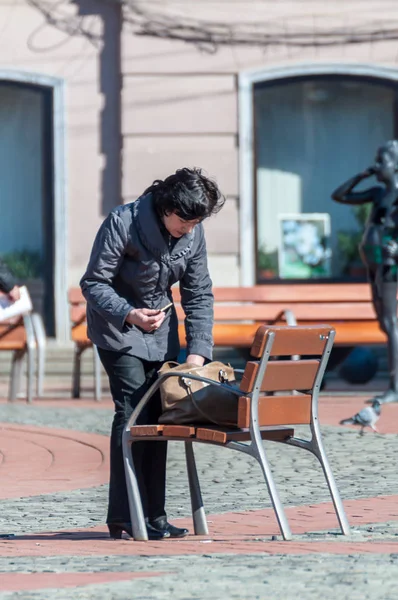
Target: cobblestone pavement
{"type": "Point", "coordinates": [314, 565]}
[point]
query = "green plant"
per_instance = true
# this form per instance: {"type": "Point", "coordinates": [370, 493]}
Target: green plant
{"type": "Point", "coordinates": [267, 260]}
{"type": "Point", "coordinates": [24, 264]}
{"type": "Point", "coordinates": [348, 241]}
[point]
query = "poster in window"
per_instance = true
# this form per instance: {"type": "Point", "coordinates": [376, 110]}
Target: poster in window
{"type": "Point", "coordinates": [304, 249]}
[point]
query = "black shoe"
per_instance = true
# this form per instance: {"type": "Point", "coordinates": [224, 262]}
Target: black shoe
{"type": "Point", "coordinates": [161, 524]}
{"type": "Point", "coordinates": [156, 534]}
{"type": "Point", "coordinates": [116, 531]}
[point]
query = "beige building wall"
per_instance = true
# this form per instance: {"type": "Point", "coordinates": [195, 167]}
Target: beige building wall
{"type": "Point", "coordinates": [179, 101]}
{"type": "Point", "coordinates": [29, 45]}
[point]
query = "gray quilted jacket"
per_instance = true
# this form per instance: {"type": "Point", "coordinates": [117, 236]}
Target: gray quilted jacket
{"type": "Point", "coordinates": [131, 266]}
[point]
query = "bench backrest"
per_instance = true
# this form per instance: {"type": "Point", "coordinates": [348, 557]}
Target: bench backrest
{"type": "Point", "coordinates": [311, 347]}
{"type": "Point", "coordinates": [12, 335]}
{"type": "Point", "coordinates": [296, 293]}
{"type": "Point", "coordinates": [309, 302]}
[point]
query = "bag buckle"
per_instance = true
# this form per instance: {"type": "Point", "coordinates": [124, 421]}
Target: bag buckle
{"type": "Point", "coordinates": [223, 376]}
{"type": "Point", "coordinates": [187, 382]}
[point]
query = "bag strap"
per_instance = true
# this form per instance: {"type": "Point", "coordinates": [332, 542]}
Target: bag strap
{"type": "Point", "coordinates": [188, 383]}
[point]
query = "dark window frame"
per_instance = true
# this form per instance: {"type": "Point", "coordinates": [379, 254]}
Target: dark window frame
{"type": "Point", "coordinates": [377, 82]}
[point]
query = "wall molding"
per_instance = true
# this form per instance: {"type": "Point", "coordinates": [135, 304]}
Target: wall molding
{"type": "Point", "coordinates": [57, 86]}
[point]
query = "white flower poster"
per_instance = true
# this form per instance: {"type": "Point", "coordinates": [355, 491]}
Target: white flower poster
{"type": "Point", "coordinates": [304, 249]}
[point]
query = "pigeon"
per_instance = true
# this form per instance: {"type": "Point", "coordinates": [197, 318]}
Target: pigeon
{"type": "Point", "coordinates": [367, 417]}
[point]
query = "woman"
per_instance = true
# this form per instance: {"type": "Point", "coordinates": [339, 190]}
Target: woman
{"type": "Point", "coordinates": [140, 251]}
{"type": "Point", "coordinates": [379, 247]}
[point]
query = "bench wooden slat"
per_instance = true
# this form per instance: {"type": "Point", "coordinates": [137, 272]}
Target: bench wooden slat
{"type": "Point", "coordinates": [240, 335]}
{"type": "Point", "coordinates": [290, 340]}
{"type": "Point", "coordinates": [277, 410]}
{"type": "Point", "coordinates": [182, 431]}
{"type": "Point", "coordinates": [185, 431]}
{"type": "Point", "coordinates": [79, 334]}
{"type": "Point", "coordinates": [354, 311]}
{"type": "Point", "coordinates": [146, 430]}
{"type": "Point", "coordinates": [314, 292]}
{"type": "Point", "coordinates": [281, 375]}
{"type": "Point", "coordinates": [222, 436]}
{"type": "Point", "coordinates": [298, 292]}
{"type": "Point", "coordinates": [12, 337]}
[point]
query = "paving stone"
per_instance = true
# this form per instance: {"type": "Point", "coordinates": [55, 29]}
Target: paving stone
{"type": "Point", "coordinates": [364, 467]}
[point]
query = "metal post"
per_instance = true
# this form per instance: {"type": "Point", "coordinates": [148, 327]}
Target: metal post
{"type": "Point", "coordinates": [41, 343]}
{"type": "Point", "coordinates": [198, 511]}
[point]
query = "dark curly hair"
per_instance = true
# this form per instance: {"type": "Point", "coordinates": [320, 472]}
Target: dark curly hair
{"type": "Point", "coordinates": [188, 193]}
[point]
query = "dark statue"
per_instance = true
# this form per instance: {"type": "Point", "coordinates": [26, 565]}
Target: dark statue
{"type": "Point", "coordinates": [379, 247]}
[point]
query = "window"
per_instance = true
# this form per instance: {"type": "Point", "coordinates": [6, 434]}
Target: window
{"type": "Point", "coordinates": [312, 134]}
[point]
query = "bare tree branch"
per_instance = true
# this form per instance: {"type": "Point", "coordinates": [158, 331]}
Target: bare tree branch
{"type": "Point", "coordinates": [154, 20]}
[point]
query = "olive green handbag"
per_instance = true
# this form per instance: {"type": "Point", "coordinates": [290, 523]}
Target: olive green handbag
{"type": "Point", "coordinates": [186, 401]}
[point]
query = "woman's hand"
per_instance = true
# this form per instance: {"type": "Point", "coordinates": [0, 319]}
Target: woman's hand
{"type": "Point", "coordinates": [195, 359]}
{"type": "Point", "coordinates": [147, 319]}
{"type": "Point", "coordinates": [14, 294]}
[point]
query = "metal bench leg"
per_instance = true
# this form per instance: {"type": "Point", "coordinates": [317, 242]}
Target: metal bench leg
{"type": "Point", "coordinates": [30, 374]}
{"type": "Point", "coordinates": [77, 359]}
{"type": "Point", "coordinates": [259, 454]}
{"type": "Point", "coordinates": [16, 374]}
{"type": "Point", "coordinates": [135, 505]}
{"type": "Point", "coordinates": [40, 336]}
{"type": "Point", "coordinates": [97, 374]}
{"type": "Point", "coordinates": [31, 354]}
{"type": "Point", "coordinates": [198, 511]}
{"type": "Point", "coordinates": [318, 450]}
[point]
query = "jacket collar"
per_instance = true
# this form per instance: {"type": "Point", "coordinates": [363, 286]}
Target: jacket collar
{"type": "Point", "coordinates": [151, 236]}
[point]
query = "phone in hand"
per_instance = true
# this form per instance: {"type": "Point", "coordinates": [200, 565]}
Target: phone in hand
{"type": "Point", "coordinates": [166, 307]}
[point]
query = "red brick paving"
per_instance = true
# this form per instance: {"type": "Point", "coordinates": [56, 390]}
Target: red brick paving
{"type": "Point", "coordinates": [101, 545]}
{"type": "Point", "coordinates": [46, 461]}
{"type": "Point", "coordinates": [236, 533]}
{"type": "Point", "coordinates": [48, 402]}
{"type": "Point", "coordinates": [36, 460]}
{"type": "Point", "coordinates": [17, 582]}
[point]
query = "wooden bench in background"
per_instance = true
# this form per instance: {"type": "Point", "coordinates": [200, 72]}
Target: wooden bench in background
{"type": "Point", "coordinates": [260, 417]}
{"type": "Point", "coordinates": [77, 314]}
{"type": "Point", "coordinates": [238, 311]}
{"type": "Point", "coordinates": [17, 336]}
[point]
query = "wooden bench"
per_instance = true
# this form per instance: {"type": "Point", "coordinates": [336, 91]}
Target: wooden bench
{"type": "Point", "coordinates": [18, 336]}
{"type": "Point", "coordinates": [77, 314]}
{"type": "Point", "coordinates": [238, 311]}
{"type": "Point", "coordinates": [77, 306]}
{"type": "Point", "coordinates": [295, 382]}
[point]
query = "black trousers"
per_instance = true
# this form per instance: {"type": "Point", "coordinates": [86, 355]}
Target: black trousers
{"type": "Point", "coordinates": [129, 379]}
